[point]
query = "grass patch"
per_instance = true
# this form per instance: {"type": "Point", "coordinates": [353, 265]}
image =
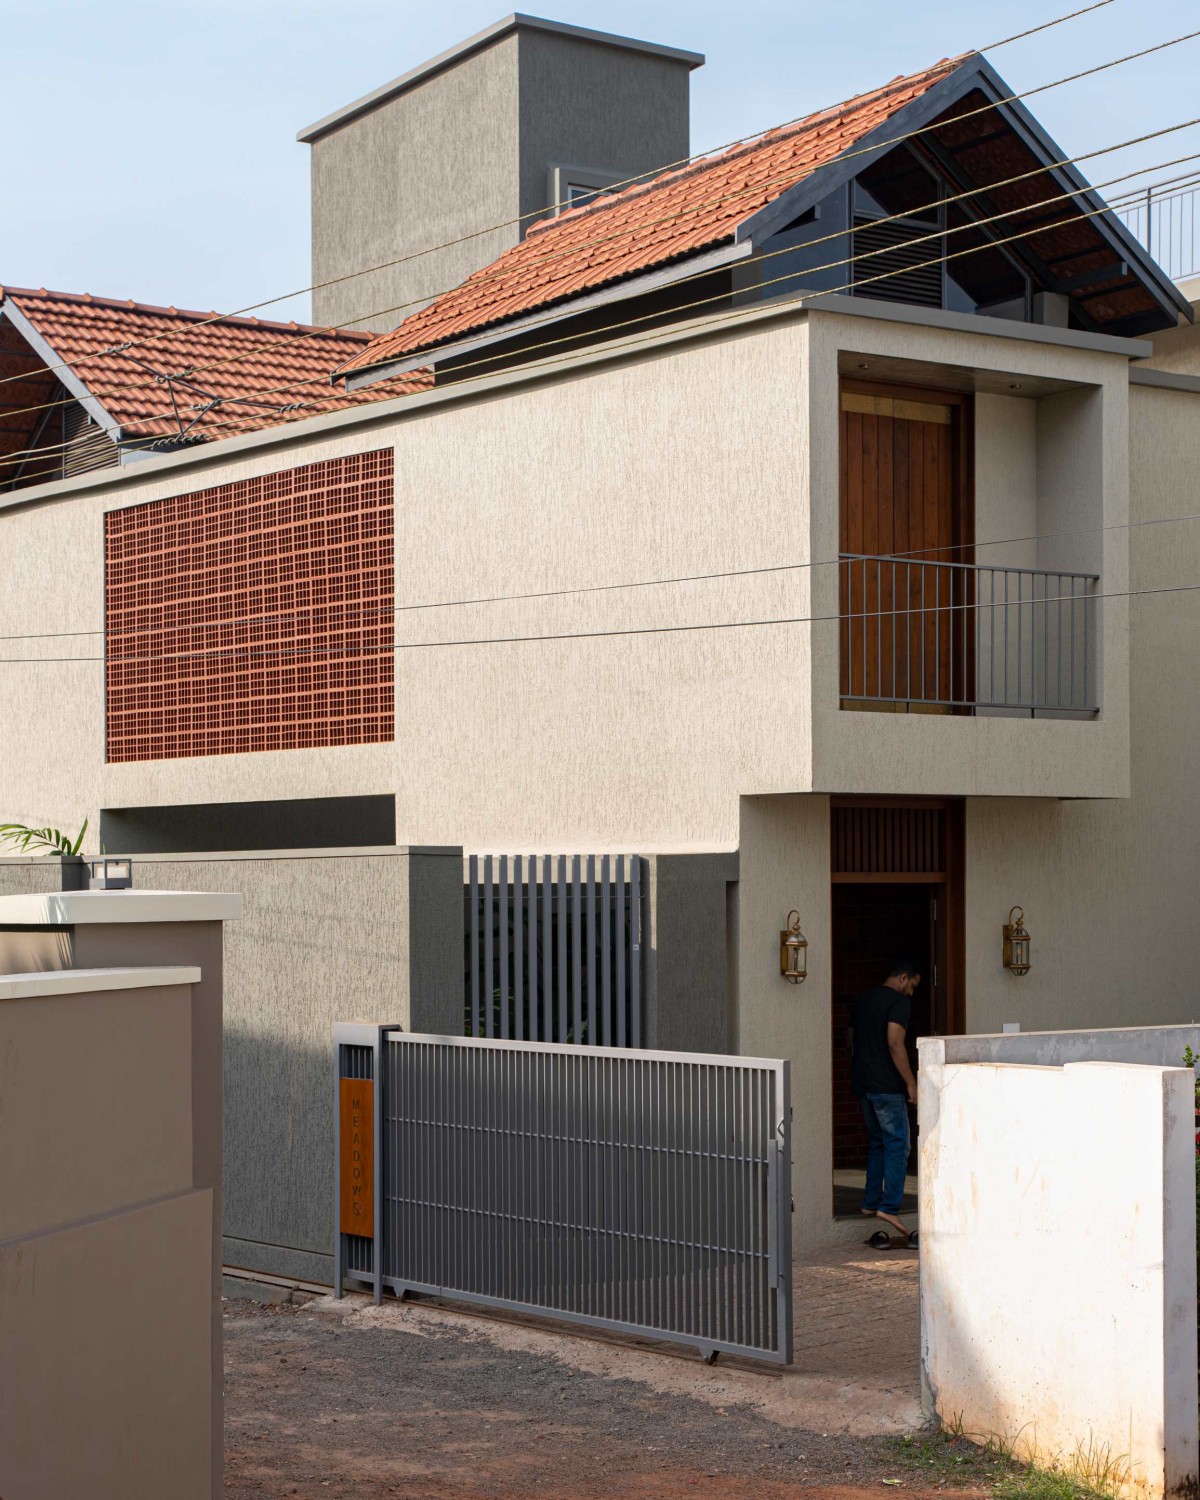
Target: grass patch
{"type": "Point", "coordinates": [948, 1459]}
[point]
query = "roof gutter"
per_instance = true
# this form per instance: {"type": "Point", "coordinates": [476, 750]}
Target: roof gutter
{"type": "Point", "coordinates": [618, 291]}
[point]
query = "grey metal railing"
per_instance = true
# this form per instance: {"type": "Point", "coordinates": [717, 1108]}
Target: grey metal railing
{"type": "Point", "coordinates": [1163, 216]}
{"type": "Point", "coordinates": [962, 637]}
{"type": "Point", "coordinates": [554, 948]}
{"type": "Point", "coordinates": [646, 1192]}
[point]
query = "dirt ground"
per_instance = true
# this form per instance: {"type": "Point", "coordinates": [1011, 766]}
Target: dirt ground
{"type": "Point", "coordinates": [343, 1399]}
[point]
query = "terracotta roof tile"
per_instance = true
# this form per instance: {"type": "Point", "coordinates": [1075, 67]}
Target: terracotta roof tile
{"type": "Point", "coordinates": [249, 367]}
{"type": "Point", "coordinates": [694, 208]}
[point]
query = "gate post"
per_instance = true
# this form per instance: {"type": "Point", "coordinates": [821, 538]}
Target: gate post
{"type": "Point", "coordinates": [358, 1114]}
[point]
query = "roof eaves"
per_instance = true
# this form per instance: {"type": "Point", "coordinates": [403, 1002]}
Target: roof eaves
{"type": "Point", "coordinates": [63, 373]}
{"type": "Point", "coordinates": [1159, 284]}
{"type": "Point", "coordinates": [616, 291]}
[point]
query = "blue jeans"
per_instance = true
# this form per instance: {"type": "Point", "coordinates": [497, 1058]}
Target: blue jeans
{"type": "Point", "coordinates": [887, 1151]}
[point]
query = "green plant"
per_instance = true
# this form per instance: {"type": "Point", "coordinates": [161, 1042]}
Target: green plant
{"type": "Point", "coordinates": [28, 839]}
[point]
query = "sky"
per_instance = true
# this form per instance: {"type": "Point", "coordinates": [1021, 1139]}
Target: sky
{"type": "Point", "coordinates": [149, 149]}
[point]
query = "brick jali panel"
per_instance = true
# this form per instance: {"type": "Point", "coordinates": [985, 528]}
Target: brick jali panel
{"type": "Point", "coordinates": [253, 616]}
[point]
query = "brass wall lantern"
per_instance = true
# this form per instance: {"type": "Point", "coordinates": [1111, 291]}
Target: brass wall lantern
{"type": "Point", "coordinates": [793, 951]}
{"type": "Point", "coordinates": [1016, 943]}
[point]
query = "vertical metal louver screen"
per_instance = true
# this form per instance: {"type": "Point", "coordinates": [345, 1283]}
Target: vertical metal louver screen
{"type": "Point", "coordinates": [892, 262]}
{"type": "Point", "coordinates": [554, 948]}
{"type": "Point", "coordinates": [646, 1192]}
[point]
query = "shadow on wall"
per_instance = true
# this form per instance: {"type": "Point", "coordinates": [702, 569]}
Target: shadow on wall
{"type": "Point", "coordinates": [340, 937]}
{"type": "Point", "coordinates": [278, 1181]}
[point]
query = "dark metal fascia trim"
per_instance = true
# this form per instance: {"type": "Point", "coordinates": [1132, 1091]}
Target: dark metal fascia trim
{"type": "Point", "coordinates": [498, 333]}
{"type": "Point", "coordinates": [63, 374]}
{"type": "Point", "coordinates": [866, 150]}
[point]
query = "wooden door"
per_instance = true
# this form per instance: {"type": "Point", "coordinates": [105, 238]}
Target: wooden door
{"type": "Point", "coordinates": [906, 635]}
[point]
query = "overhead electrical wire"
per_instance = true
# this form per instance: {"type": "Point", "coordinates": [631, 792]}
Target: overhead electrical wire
{"type": "Point", "coordinates": [640, 178]}
{"type": "Point", "coordinates": [24, 455]}
{"type": "Point", "coordinates": [553, 256]}
{"type": "Point", "coordinates": [913, 555]}
{"type": "Point", "coordinates": [298, 653]}
{"type": "Point", "coordinates": [742, 311]}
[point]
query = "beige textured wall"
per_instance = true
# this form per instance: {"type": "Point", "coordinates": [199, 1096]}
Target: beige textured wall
{"type": "Point", "coordinates": [699, 459]}
{"type": "Point", "coordinates": [1108, 887]}
{"type": "Point", "coordinates": [639, 741]}
{"type": "Point", "coordinates": [1178, 349]}
{"type": "Point", "coordinates": [1006, 495]}
{"type": "Point", "coordinates": [784, 864]}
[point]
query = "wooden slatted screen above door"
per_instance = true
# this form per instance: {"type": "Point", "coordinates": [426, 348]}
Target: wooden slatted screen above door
{"type": "Point", "coordinates": [904, 843]}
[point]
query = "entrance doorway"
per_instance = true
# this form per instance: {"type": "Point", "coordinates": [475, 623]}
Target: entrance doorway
{"type": "Point", "coordinates": [897, 893]}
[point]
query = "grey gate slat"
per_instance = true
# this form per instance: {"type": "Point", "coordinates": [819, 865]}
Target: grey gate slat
{"type": "Point", "coordinates": [474, 893]}
{"type": "Point", "coordinates": [563, 1021]}
{"type": "Point", "coordinates": [605, 955]}
{"type": "Point", "coordinates": [518, 1030]}
{"type": "Point", "coordinates": [535, 1033]}
{"type": "Point", "coordinates": [576, 956]}
{"type": "Point", "coordinates": [488, 947]}
{"type": "Point", "coordinates": [547, 952]}
{"type": "Point", "coordinates": [619, 914]}
{"type": "Point", "coordinates": [635, 944]}
{"type": "Point", "coordinates": [590, 948]}
{"type": "Point", "coordinates": [505, 1029]}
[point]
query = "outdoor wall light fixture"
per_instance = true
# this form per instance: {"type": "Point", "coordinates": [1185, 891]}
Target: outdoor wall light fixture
{"type": "Point", "coordinates": [793, 951]}
{"type": "Point", "coordinates": [1016, 943]}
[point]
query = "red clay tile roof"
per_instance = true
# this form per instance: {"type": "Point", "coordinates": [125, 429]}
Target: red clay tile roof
{"type": "Point", "coordinates": [677, 214]}
{"type": "Point", "coordinates": [226, 377]}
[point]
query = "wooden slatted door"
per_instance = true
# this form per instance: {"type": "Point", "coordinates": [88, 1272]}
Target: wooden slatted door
{"type": "Point", "coordinates": [904, 636]}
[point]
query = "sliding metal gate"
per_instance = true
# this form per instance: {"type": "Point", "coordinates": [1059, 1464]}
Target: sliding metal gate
{"type": "Point", "coordinates": [647, 1192]}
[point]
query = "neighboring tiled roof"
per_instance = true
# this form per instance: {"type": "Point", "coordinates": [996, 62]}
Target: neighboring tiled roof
{"type": "Point", "coordinates": [184, 371]}
{"type": "Point", "coordinates": [676, 214]}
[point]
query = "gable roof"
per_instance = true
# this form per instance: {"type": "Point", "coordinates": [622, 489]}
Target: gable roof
{"type": "Point", "coordinates": [973, 131]}
{"type": "Point", "coordinates": [162, 375]}
{"type": "Point", "coordinates": [694, 208]}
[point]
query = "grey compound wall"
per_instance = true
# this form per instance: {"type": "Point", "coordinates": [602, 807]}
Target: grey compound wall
{"type": "Point", "coordinates": [328, 936]}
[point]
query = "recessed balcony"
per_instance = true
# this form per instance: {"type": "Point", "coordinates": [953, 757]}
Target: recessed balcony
{"type": "Point", "coordinates": [934, 637]}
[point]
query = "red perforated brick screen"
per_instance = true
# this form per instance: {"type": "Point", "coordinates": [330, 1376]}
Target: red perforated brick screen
{"type": "Point", "coordinates": [253, 616]}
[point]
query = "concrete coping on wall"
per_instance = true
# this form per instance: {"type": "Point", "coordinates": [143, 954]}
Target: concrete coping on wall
{"type": "Point", "coordinates": [44, 986]}
{"type": "Point", "coordinates": [78, 908]}
{"type": "Point", "coordinates": [350, 851]}
{"type": "Point", "coordinates": [1158, 1046]}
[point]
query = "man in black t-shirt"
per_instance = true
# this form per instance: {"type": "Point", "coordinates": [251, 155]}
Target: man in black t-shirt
{"type": "Point", "coordinates": [881, 1077]}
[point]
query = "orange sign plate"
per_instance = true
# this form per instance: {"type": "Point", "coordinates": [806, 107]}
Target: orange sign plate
{"type": "Point", "coordinates": [357, 1160]}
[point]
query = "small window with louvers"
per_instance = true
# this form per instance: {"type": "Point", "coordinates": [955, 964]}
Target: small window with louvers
{"type": "Point", "coordinates": [897, 262]}
{"type": "Point", "coordinates": [85, 444]}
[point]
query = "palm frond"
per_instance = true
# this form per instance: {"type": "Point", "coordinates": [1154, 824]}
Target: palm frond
{"type": "Point", "coordinates": [53, 839]}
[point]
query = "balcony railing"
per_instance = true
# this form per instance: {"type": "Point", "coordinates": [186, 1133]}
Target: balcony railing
{"type": "Point", "coordinates": [952, 637]}
{"type": "Point", "coordinates": [1164, 217]}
